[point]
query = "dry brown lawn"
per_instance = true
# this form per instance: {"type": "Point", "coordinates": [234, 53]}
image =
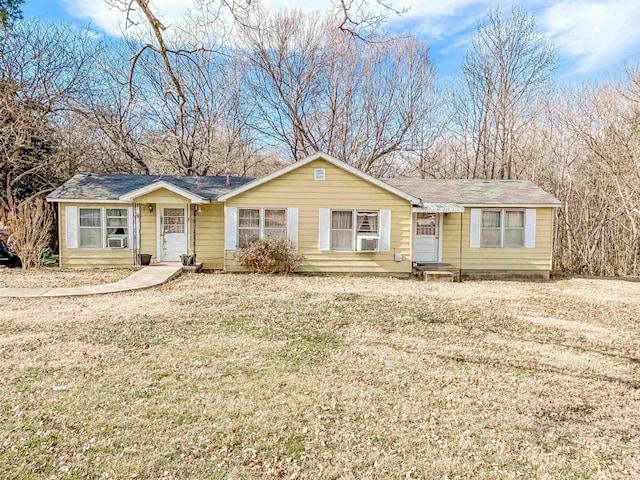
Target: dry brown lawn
{"type": "Point", "coordinates": [242, 376]}
{"type": "Point", "coordinates": [56, 277]}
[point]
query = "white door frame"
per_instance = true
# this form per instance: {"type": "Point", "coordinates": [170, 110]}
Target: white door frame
{"type": "Point", "coordinates": [159, 214]}
{"type": "Point", "coordinates": [439, 222]}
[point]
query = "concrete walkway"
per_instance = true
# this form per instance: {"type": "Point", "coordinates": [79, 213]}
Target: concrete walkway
{"type": "Point", "coordinates": [144, 278]}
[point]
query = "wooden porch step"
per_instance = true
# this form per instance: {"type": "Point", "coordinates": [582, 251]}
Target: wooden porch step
{"type": "Point", "coordinates": [419, 270]}
{"type": "Point", "coordinates": [438, 276]}
{"type": "Point", "coordinates": [434, 266]}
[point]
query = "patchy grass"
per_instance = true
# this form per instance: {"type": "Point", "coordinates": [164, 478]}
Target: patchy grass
{"type": "Point", "coordinates": [57, 277]}
{"type": "Point", "coordinates": [243, 376]}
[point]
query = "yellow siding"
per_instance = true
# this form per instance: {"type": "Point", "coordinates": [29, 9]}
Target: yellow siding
{"type": "Point", "coordinates": [148, 232]}
{"type": "Point", "coordinates": [340, 190]}
{"type": "Point", "coordinates": [209, 231]}
{"type": "Point", "coordinates": [162, 195]}
{"type": "Point", "coordinates": [86, 257]}
{"type": "Point", "coordinates": [209, 244]}
{"type": "Point", "coordinates": [538, 258]}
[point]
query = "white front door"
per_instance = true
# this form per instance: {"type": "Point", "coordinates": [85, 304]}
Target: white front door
{"type": "Point", "coordinates": [173, 232]}
{"type": "Point", "coordinates": [425, 237]}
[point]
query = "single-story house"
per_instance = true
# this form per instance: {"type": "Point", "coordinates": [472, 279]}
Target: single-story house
{"type": "Point", "coordinates": [342, 219]}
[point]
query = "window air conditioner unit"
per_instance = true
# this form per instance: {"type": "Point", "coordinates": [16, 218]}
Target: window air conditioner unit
{"type": "Point", "coordinates": [116, 242]}
{"type": "Point", "coordinates": [367, 244]}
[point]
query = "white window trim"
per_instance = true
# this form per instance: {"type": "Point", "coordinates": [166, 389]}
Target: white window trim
{"type": "Point", "coordinates": [261, 209]}
{"type": "Point", "coordinates": [354, 229]}
{"type": "Point", "coordinates": [502, 227]}
{"type": "Point", "coordinates": [103, 227]}
{"type": "Point", "coordinates": [319, 174]}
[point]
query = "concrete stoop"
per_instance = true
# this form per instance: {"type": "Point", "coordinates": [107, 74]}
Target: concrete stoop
{"type": "Point", "coordinates": [438, 276]}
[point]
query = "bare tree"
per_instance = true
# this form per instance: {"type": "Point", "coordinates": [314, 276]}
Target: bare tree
{"type": "Point", "coordinates": [39, 75]}
{"type": "Point", "coordinates": [364, 18]}
{"type": "Point", "coordinates": [505, 75]}
{"type": "Point", "coordinates": [318, 88]}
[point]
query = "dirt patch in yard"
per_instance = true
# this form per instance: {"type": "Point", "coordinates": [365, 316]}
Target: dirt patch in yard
{"type": "Point", "coordinates": [245, 376]}
{"type": "Point", "coordinates": [55, 277]}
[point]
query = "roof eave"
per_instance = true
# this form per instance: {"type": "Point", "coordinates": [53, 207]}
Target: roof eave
{"type": "Point", "coordinates": [83, 200]}
{"type": "Point", "coordinates": [132, 195]}
{"type": "Point", "coordinates": [513, 205]}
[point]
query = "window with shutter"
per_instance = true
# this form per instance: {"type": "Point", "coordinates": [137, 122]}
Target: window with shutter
{"type": "Point", "coordinates": [275, 223]}
{"type": "Point", "coordinates": [491, 232]}
{"type": "Point", "coordinates": [503, 228]}
{"type": "Point", "coordinates": [90, 228]}
{"type": "Point", "coordinates": [342, 230]}
{"type": "Point", "coordinates": [248, 226]}
{"type": "Point", "coordinates": [514, 228]}
{"type": "Point", "coordinates": [355, 230]}
{"type": "Point", "coordinates": [260, 223]}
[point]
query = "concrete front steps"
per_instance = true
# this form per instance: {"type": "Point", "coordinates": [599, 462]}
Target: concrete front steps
{"type": "Point", "coordinates": [436, 272]}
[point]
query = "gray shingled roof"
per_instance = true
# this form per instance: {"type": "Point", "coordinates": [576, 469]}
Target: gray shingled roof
{"type": "Point", "coordinates": [462, 192]}
{"type": "Point", "coordinates": [475, 192]}
{"type": "Point", "coordinates": [111, 187]}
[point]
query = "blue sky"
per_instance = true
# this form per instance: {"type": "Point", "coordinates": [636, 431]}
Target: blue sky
{"type": "Point", "coordinates": [594, 38]}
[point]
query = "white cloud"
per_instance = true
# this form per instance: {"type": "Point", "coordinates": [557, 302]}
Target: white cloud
{"type": "Point", "coordinates": [597, 33]}
{"type": "Point", "coordinates": [436, 16]}
{"type": "Point", "coordinates": [113, 21]}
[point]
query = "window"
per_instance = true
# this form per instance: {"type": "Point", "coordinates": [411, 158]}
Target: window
{"type": "Point", "coordinates": [100, 227]}
{"type": "Point", "coordinates": [90, 228]}
{"type": "Point", "coordinates": [173, 220]}
{"type": "Point", "coordinates": [426, 224]}
{"type": "Point", "coordinates": [275, 223]}
{"type": "Point", "coordinates": [256, 223]}
{"type": "Point", "coordinates": [491, 229]}
{"type": "Point", "coordinates": [342, 230]}
{"type": "Point", "coordinates": [319, 174]}
{"type": "Point", "coordinates": [345, 234]}
{"type": "Point", "coordinates": [514, 228]}
{"type": "Point", "coordinates": [117, 227]}
{"type": "Point", "coordinates": [367, 223]}
{"type": "Point", "coordinates": [248, 226]}
{"type": "Point", "coordinates": [502, 228]}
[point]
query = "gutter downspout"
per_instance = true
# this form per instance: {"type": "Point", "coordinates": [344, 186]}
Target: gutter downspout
{"type": "Point", "coordinates": [195, 232]}
{"type": "Point", "coordinates": [136, 234]}
{"type": "Point", "coordinates": [460, 276]}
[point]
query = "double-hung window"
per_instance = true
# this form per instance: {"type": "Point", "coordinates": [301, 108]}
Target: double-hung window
{"type": "Point", "coordinates": [100, 227]}
{"type": "Point", "coordinates": [513, 228]}
{"type": "Point", "coordinates": [349, 228]}
{"type": "Point", "coordinates": [260, 223]}
{"type": "Point", "coordinates": [90, 228]}
{"type": "Point", "coordinates": [275, 223]}
{"type": "Point", "coordinates": [117, 227]}
{"type": "Point", "coordinates": [342, 230]}
{"type": "Point", "coordinates": [248, 226]}
{"type": "Point", "coordinates": [367, 223]}
{"type": "Point", "coordinates": [491, 228]}
{"type": "Point", "coordinates": [502, 228]}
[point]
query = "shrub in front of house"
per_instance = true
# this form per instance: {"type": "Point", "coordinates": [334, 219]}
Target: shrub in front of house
{"type": "Point", "coordinates": [271, 255]}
